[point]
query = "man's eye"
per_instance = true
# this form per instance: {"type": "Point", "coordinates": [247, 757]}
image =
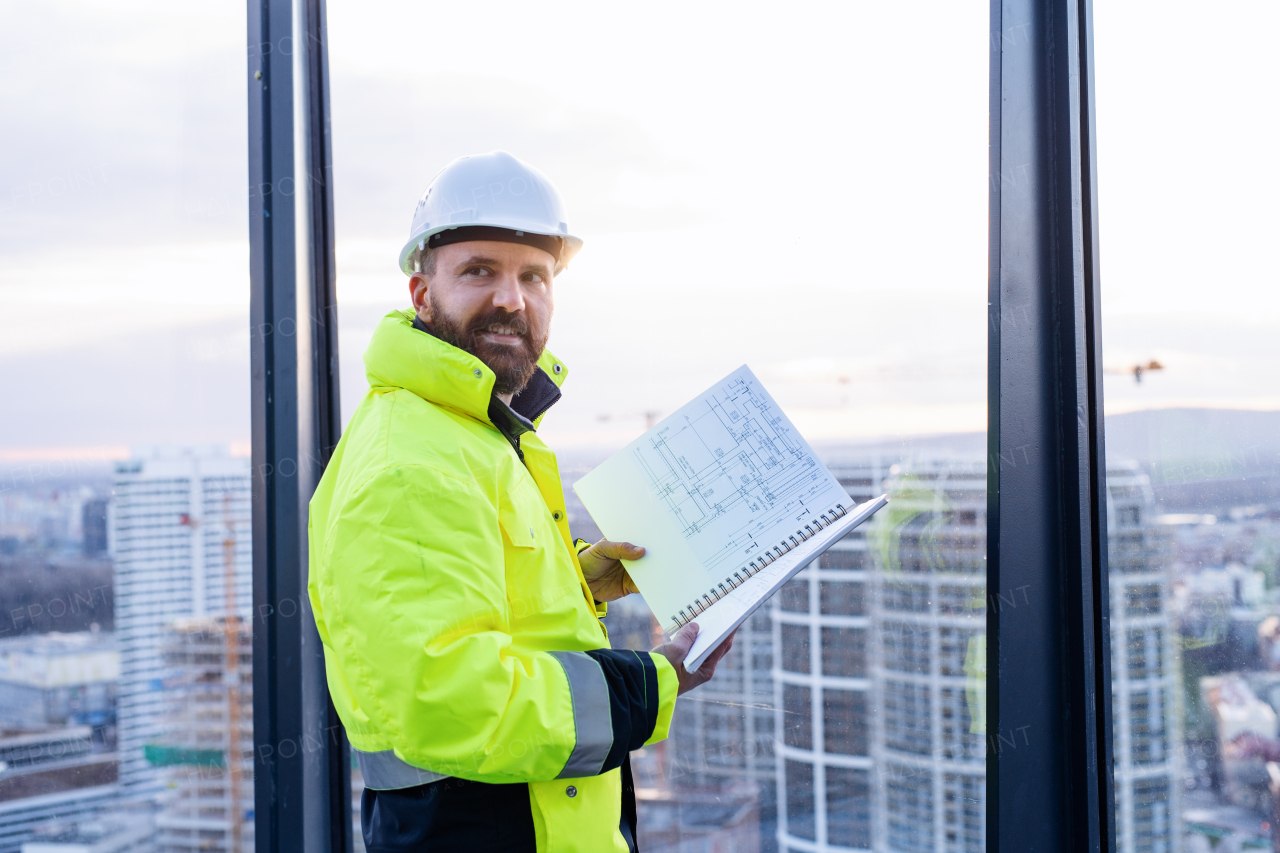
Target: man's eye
{"type": "Point", "coordinates": [476, 271]}
{"type": "Point", "coordinates": [533, 278]}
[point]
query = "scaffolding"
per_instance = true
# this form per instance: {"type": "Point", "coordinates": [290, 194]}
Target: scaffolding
{"type": "Point", "coordinates": [208, 742]}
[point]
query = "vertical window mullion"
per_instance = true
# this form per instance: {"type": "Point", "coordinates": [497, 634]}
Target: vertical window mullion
{"type": "Point", "coordinates": [1048, 670]}
{"type": "Point", "coordinates": [302, 787]}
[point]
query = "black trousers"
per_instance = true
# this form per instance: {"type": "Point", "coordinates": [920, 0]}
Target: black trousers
{"type": "Point", "coordinates": [449, 815]}
{"type": "Point", "coordinates": [458, 815]}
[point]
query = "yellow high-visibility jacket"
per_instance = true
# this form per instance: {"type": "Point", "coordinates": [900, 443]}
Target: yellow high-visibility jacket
{"type": "Point", "coordinates": [461, 641]}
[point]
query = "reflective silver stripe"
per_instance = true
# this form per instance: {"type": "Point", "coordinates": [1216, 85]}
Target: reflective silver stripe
{"type": "Point", "coordinates": [385, 771]}
{"type": "Point", "coordinates": [592, 724]}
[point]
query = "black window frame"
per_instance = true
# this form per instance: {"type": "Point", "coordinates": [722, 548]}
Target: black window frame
{"type": "Point", "coordinates": [302, 761]}
{"type": "Point", "coordinates": [1048, 782]}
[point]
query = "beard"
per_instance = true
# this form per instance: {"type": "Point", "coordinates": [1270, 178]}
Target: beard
{"type": "Point", "coordinates": [511, 365]}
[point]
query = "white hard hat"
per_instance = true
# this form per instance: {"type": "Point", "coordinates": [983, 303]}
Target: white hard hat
{"type": "Point", "coordinates": [493, 190]}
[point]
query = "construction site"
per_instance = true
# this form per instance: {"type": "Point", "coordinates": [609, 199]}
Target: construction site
{"type": "Point", "coordinates": [207, 748]}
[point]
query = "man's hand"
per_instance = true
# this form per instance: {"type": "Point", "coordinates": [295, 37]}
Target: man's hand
{"type": "Point", "coordinates": [604, 572]}
{"type": "Point", "coordinates": [678, 646]}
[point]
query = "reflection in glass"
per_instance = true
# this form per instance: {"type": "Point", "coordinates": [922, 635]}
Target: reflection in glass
{"type": "Point", "coordinates": [870, 710]}
{"type": "Point", "coordinates": [1191, 317]}
{"type": "Point", "coordinates": [929, 674]}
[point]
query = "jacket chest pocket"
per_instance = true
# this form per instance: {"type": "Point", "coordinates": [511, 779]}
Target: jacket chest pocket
{"type": "Point", "coordinates": [539, 571]}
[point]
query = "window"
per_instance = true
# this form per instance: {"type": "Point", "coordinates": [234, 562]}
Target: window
{"type": "Point", "coordinates": [1190, 320]}
{"type": "Point", "coordinates": [904, 649]}
{"type": "Point", "coordinates": [909, 812]}
{"type": "Point", "coordinates": [795, 648]}
{"type": "Point", "coordinates": [842, 598]}
{"type": "Point", "coordinates": [126, 668]}
{"type": "Point", "coordinates": [670, 141]}
{"type": "Point", "coordinates": [848, 809]}
{"type": "Point", "coordinates": [907, 597]}
{"type": "Point", "coordinates": [844, 652]}
{"type": "Point", "coordinates": [797, 725]}
{"type": "Point", "coordinates": [709, 154]}
{"type": "Point", "coordinates": [798, 785]}
{"type": "Point", "coordinates": [794, 597]}
{"type": "Point", "coordinates": [845, 726]}
{"type": "Point", "coordinates": [849, 559]}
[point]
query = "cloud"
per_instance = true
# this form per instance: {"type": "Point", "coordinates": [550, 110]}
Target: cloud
{"type": "Point", "coordinates": [119, 124]}
{"type": "Point", "coordinates": [391, 136]}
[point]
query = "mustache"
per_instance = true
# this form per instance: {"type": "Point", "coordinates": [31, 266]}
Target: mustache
{"type": "Point", "coordinates": [497, 317]}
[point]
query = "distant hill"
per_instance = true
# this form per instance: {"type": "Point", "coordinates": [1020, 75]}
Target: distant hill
{"type": "Point", "coordinates": [1202, 460]}
{"type": "Point", "coordinates": [1206, 460]}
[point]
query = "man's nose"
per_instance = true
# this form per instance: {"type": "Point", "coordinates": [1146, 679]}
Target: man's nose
{"type": "Point", "coordinates": [508, 295]}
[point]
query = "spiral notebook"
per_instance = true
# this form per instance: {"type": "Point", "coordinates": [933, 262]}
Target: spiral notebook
{"type": "Point", "coordinates": [728, 500]}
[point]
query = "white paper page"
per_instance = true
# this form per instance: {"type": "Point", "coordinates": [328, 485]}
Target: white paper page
{"type": "Point", "coordinates": [719, 620]}
{"type": "Point", "coordinates": [707, 490]}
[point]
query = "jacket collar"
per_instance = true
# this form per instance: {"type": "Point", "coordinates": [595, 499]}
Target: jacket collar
{"type": "Point", "coordinates": [403, 356]}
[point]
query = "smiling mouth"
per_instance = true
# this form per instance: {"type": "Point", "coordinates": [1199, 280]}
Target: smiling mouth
{"type": "Point", "coordinates": [499, 334]}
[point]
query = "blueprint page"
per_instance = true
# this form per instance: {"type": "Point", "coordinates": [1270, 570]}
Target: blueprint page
{"type": "Point", "coordinates": [707, 490]}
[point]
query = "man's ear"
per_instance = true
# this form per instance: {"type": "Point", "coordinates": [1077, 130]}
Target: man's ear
{"type": "Point", "coordinates": [418, 289]}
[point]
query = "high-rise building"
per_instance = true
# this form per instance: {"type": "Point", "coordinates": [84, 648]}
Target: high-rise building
{"type": "Point", "coordinates": [880, 670]}
{"type": "Point", "coordinates": [1145, 668]}
{"type": "Point", "coordinates": [928, 659]}
{"type": "Point", "coordinates": [822, 687]}
{"type": "Point", "coordinates": [180, 520]}
{"type": "Point", "coordinates": [722, 734]}
{"type": "Point", "coordinates": [93, 526]}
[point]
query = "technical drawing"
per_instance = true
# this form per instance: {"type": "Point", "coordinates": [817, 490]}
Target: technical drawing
{"type": "Point", "coordinates": [734, 474]}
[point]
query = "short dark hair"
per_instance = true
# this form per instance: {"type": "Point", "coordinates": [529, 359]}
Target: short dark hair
{"type": "Point", "coordinates": [423, 260]}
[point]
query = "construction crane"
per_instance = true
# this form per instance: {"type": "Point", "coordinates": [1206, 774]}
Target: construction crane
{"type": "Point", "coordinates": [1136, 370]}
{"type": "Point", "coordinates": [231, 671]}
{"type": "Point", "coordinates": [207, 759]}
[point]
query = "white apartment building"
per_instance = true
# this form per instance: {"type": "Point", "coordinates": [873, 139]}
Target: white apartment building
{"type": "Point", "coordinates": [178, 518]}
{"type": "Point", "coordinates": [879, 670]}
{"type": "Point", "coordinates": [929, 657]}
{"type": "Point", "coordinates": [1145, 669]}
{"type": "Point", "coordinates": [722, 734]}
{"type": "Point", "coordinates": [822, 684]}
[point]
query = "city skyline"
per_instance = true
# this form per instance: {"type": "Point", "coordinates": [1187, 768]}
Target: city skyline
{"type": "Point", "coordinates": [824, 759]}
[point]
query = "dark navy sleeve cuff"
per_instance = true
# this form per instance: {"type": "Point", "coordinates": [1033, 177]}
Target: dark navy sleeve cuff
{"type": "Point", "coordinates": [632, 681]}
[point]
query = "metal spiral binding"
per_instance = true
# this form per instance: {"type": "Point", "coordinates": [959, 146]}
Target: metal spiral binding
{"type": "Point", "coordinates": [738, 578]}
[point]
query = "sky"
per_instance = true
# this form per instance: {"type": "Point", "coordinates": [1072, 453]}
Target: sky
{"type": "Point", "coordinates": [801, 189]}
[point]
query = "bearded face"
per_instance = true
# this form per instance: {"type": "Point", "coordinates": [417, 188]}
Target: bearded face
{"type": "Point", "coordinates": [492, 299]}
{"type": "Point", "coordinates": [502, 340]}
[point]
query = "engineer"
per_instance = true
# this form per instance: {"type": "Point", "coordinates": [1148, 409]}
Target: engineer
{"type": "Point", "coordinates": [460, 619]}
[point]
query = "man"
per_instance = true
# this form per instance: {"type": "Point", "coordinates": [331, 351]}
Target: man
{"type": "Point", "coordinates": [460, 621]}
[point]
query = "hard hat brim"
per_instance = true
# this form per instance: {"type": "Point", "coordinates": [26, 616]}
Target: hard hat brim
{"type": "Point", "coordinates": [572, 245]}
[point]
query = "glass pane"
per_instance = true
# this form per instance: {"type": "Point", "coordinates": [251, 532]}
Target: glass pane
{"type": "Point", "coordinates": [789, 189]}
{"type": "Point", "coordinates": [126, 688]}
{"type": "Point", "coordinates": [1190, 325]}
